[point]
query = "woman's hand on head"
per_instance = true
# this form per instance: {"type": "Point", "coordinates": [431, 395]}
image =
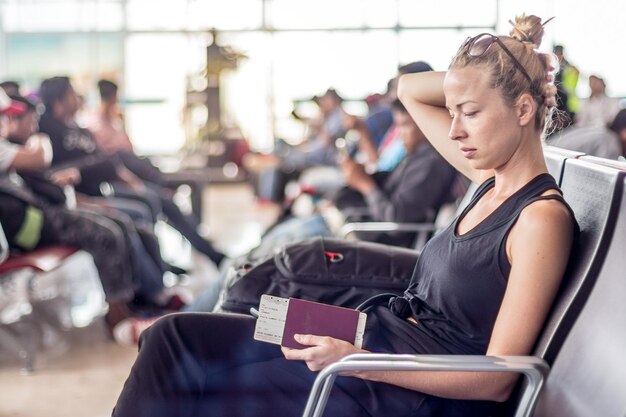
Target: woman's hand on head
{"type": "Point", "coordinates": [322, 351]}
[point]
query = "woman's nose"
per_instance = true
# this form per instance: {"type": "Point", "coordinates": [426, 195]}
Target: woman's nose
{"type": "Point", "coordinates": [456, 130]}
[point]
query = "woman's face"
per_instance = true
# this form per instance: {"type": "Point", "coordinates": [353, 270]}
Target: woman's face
{"type": "Point", "coordinates": [485, 127]}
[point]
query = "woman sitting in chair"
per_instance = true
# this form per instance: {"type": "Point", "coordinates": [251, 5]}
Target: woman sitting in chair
{"type": "Point", "coordinates": [483, 286]}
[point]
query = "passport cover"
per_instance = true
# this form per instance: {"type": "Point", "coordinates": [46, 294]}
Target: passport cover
{"type": "Point", "coordinates": [309, 317]}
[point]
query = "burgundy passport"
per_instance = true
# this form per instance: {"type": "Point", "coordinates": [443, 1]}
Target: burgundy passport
{"type": "Point", "coordinates": [309, 317]}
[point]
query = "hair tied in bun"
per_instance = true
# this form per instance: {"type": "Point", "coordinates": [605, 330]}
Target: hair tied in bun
{"type": "Point", "coordinates": [528, 29]}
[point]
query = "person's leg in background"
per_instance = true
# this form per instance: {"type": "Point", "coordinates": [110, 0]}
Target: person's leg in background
{"type": "Point", "coordinates": [137, 210]}
{"type": "Point", "coordinates": [207, 299]}
{"type": "Point", "coordinates": [148, 268]}
{"type": "Point", "coordinates": [147, 197]}
{"type": "Point", "coordinates": [104, 240]}
{"type": "Point", "coordinates": [188, 227]}
{"type": "Point", "coordinates": [290, 230]}
{"type": "Point", "coordinates": [160, 199]}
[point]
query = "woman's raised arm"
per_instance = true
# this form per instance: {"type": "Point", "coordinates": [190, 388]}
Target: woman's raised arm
{"type": "Point", "coordinates": [422, 95]}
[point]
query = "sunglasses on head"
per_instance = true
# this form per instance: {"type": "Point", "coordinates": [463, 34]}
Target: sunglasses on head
{"type": "Point", "coordinates": [479, 44]}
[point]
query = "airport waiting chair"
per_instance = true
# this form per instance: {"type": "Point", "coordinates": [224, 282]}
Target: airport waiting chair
{"type": "Point", "coordinates": [555, 160]}
{"type": "Point", "coordinates": [588, 376]}
{"type": "Point", "coordinates": [594, 193]}
{"type": "Point", "coordinates": [56, 288]}
{"type": "Point", "coordinates": [423, 230]}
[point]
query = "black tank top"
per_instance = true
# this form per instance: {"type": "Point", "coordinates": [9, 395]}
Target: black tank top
{"type": "Point", "coordinates": [459, 280]}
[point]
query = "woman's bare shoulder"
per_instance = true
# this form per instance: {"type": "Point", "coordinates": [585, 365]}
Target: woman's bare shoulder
{"type": "Point", "coordinates": [546, 217]}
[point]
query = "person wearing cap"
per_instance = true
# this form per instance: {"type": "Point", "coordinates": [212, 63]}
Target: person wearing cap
{"type": "Point", "coordinates": [26, 218]}
{"type": "Point", "coordinates": [36, 153]}
{"type": "Point", "coordinates": [34, 214]}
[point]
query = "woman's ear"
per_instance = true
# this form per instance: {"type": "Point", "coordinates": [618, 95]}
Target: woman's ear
{"type": "Point", "coordinates": [526, 109]}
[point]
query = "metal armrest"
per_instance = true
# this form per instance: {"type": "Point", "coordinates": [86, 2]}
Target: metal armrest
{"type": "Point", "coordinates": [535, 370]}
{"type": "Point", "coordinates": [385, 227]}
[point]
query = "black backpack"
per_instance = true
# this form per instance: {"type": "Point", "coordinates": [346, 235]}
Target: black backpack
{"type": "Point", "coordinates": [327, 270]}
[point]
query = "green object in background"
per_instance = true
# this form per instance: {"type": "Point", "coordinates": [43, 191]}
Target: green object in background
{"type": "Point", "coordinates": [30, 232]}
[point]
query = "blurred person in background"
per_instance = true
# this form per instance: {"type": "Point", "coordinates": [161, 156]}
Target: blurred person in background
{"type": "Point", "coordinates": [566, 81]}
{"type": "Point", "coordinates": [32, 220]}
{"type": "Point", "coordinates": [602, 140]}
{"type": "Point", "coordinates": [75, 146]}
{"type": "Point", "coordinates": [599, 109]}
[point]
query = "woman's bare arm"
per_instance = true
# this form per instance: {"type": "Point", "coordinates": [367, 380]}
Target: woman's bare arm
{"type": "Point", "coordinates": [422, 95]}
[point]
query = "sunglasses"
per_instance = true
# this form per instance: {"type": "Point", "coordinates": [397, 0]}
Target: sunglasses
{"type": "Point", "coordinates": [479, 44]}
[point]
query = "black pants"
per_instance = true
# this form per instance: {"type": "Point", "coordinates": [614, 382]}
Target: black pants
{"type": "Point", "coordinates": [205, 364]}
{"type": "Point", "coordinates": [197, 364]}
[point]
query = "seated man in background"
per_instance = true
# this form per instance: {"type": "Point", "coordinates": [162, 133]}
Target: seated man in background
{"type": "Point", "coordinates": [129, 274]}
{"type": "Point", "coordinates": [380, 139]}
{"type": "Point", "coordinates": [379, 146]}
{"type": "Point", "coordinates": [75, 146]}
{"type": "Point", "coordinates": [287, 162]}
{"type": "Point", "coordinates": [599, 109]}
{"type": "Point", "coordinates": [109, 134]}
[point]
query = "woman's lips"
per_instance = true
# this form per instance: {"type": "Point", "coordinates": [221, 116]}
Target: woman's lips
{"type": "Point", "coordinates": [468, 152]}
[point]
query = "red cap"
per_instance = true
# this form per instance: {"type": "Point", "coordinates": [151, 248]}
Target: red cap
{"type": "Point", "coordinates": [10, 107]}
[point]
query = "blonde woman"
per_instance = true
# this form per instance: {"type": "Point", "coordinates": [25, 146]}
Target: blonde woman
{"type": "Point", "coordinates": [482, 286]}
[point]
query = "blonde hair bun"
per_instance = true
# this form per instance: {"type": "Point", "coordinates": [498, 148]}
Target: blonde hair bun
{"type": "Point", "coordinates": [528, 29]}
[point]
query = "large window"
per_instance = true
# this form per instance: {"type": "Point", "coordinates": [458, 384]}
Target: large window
{"type": "Point", "coordinates": [62, 15]}
{"type": "Point", "coordinates": [294, 49]}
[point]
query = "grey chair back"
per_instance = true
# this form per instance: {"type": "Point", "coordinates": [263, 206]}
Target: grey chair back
{"type": "Point", "coordinates": [555, 160]}
{"type": "Point", "coordinates": [588, 377]}
{"type": "Point", "coordinates": [593, 191]}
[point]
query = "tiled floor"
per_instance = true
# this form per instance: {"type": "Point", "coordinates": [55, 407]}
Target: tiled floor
{"type": "Point", "coordinates": [84, 377]}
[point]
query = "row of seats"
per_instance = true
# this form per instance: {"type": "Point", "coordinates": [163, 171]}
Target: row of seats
{"type": "Point", "coordinates": [577, 368]}
{"type": "Point", "coordinates": [43, 294]}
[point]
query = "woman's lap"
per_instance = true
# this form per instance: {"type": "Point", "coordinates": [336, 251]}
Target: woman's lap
{"type": "Point", "coordinates": [197, 364]}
